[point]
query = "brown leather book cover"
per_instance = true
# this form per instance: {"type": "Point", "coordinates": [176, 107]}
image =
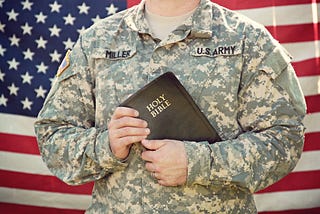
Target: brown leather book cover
{"type": "Point", "coordinates": [170, 111]}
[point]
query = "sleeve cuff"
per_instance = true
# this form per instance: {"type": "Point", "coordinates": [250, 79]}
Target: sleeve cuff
{"type": "Point", "coordinates": [104, 155]}
{"type": "Point", "coordinates": [199, 163]}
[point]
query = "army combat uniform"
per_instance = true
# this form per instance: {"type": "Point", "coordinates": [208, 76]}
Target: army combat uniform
{"type": "Point", "coordinates": [240, 77]}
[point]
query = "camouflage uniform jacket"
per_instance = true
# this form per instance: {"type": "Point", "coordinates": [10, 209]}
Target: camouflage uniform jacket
{"type": "Point", "coordinates": [237, 73]}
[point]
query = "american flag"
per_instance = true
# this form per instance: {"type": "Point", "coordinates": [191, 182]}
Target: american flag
{"type": "Point", "coordinates": [35, 35]}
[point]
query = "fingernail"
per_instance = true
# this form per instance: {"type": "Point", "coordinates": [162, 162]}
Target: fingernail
{"type": "Point", "coordinates": [147, 131]}
{"type": "Point", "coordinates": [145, 124]}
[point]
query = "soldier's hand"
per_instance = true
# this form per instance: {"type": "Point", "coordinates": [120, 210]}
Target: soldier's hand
{"type": "Point", "coordinates": [124, 130]}
{"type": "Point", "coordinates": [166, 161]}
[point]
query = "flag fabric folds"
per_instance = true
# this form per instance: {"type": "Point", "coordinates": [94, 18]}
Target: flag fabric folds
{"type": "Point", "coordinates": [34, 38]}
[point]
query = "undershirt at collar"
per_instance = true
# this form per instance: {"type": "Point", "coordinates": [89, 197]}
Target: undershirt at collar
{"type": "Point", "coordinates": [162, 26]}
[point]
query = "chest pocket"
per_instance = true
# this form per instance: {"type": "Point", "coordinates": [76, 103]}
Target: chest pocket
{"type": "Point", "coordinates": [217, 65]}
{"type": "Point", "coordinates": [221, 65]}
{"type": "Point", "coordinates": [117, 71]}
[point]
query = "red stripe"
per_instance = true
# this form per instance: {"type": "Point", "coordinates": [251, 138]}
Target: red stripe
{"type": "Point", "coordinates": [131, 3]}
{"type": "Point", "coordinates": [23, 209]}
{"type": "Point", "coordinates": [28, 145]}
{"type": "Point", "coordinates": [313, 103]}
{"type": "Point", "coordinates": [247, 4]}
{"type": "Point", "coordinates": [296, 181]}
{"type": "Point", "coordinates": [295, 33]}
{"type": "Point", "coordinates": [300, 211]}
{"type": "Point", "coordinates": [307, 180]}
{"type": "Point", "coordinates": [312, 141]}
{"type": "Point", "coordinates": [41, 183]}
{"type": "Point", "coordinates": [308, 67]}
{"type": "Point", "coordinates": [19, 144]}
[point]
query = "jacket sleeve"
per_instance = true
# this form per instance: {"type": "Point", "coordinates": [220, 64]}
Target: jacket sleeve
{"type": "Point", "coordinates": [72, 147]}
{"type": "Point", "coordinates": [271, 108]}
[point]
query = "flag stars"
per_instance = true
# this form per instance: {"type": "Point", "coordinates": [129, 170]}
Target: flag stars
{"type": "Point", "coordinates": [1, 3]}
{"type": "Point", "coordinates": [2, 26]}
{"type": "Point", "coordinates": [111, 9]}
{"type": "Point", "coordinates": [2, 76]}
{"type": "Point", "coordinates": [55, 31]}
{"type": "Point", "coordinates": [13, 64]}
{"type": "Point", "coordinates": [3, 100]}
{"type": "Point", "coordinates": [42, 68]}
{"type": "Point", "coordinates": [55, 7]}
{"type": "Point", "coordinates": [2, 50]}
{"type": "Point", "coordinates": [13, 89]}
{"type": "Point", "coordinates": [41, 18]}
{"type": "Point", "coordinates": [55, 56]}
{"type": "Point", "coordinates": [83, 8]}
{"type": "Point", "coordinates": [28, 54]}
{"type": "Point", "coordinates": [12, 15]}
{"type": "Point", "coordinates": [41, 43]}
{"type": "Point", "coordinates": [26, 5]}
{"type": "Point", "coordinates": [26, 29]}
{"type": "Point", "coordinates": [69, 19]}
{"type": "Point", "coordinates": [14, 40]}
{"type": "Point", "coordinates": [41, 92]}
{"type": "Point", "coordinates": [27, 103]}
{"type": "Point", "coordinates": [68, 44]}
{"type": "Point", "coordinates": [96, 19]}
{"type": "Point", "coordinates": [26, 78]}
{"type": "Point", "coordinates": [81, 30]}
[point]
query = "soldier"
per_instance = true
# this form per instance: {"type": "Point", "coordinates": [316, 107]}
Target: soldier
{"type": "Point", "coordinates": [238, 74]}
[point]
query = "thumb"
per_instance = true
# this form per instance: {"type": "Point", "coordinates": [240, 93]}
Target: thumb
{"type": "Point", "coordinates": [152, 144]}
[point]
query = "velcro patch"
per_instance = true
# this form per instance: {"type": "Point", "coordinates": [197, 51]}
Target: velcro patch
{"type": "Point", "coordinates": [64, 64]}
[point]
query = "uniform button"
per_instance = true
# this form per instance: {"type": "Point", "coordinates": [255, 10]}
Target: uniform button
{"type": "Point", "coordinates": [182, 45]}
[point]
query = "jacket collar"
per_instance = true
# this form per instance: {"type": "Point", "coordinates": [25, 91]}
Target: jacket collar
{"type": "Point", "coordinates": [199, 24]}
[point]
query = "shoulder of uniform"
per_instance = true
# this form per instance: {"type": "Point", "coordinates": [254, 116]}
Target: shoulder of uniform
{"type": "Point", "coordinates": [237, 21]}
{"type": "Point", "coordinates": [106, 25]}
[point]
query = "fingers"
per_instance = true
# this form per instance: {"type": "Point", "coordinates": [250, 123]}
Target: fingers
{"type": "Point", "coordinates": [125, 129]}
{"type": "Point", "coordinates": [127, 122]}
{"type": "Point", "coordinates": [153, 144]}
{"type": "Point", "coordinates": [166, 161]}
{"type": "Point", "coordinates": [125, 116]}
{"type": "Point", "coordinates": [169, 177]}
{"type": "Point", "coordinates": [124, 111]}
{"type": "Point", "coordinates": [129, 135]}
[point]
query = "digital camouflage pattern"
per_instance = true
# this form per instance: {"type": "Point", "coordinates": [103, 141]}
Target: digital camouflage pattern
{"type": "Point", "coordinates": [237, 73]}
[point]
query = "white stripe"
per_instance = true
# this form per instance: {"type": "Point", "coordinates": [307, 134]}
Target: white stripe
{"type": "Point", "coordinates": [302, 50]}
{"type": "Point", "coordinates": [26, 163]}
{"type": "Point", "coordinates": [276, 201]}
{"type": "Point", "coordinates": [310, 85]}
{"type": "Point", "coordinates": [282, 15]}
{"type": "Point", "coordinates": [44, 199]}
{"type": "Point", "coordinates": [315, 12]}
{"type": "Point", "coordinates": [17, 124]}
{"type": "Point", "coordinates": [312, 123]}
{"type": "Point", "coordinates": [24, 125]}
{"type": "Point", "coordinates": [33, 164]}
{"type": "Point", "coordinates": [309, 161]}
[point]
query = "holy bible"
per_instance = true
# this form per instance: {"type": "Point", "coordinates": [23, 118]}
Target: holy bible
{"type": "Point", "coordinates": [170, 111]}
